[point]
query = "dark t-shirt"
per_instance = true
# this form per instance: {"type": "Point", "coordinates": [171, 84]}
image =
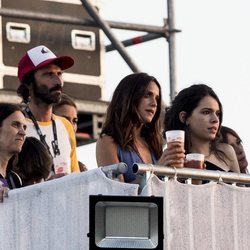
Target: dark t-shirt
{"type": "Point", "coordinates": [211, 166]}
{"type": "Point", "coordinates": [3, 182]}
{"type": "Point", "coordinates": [11, 181]}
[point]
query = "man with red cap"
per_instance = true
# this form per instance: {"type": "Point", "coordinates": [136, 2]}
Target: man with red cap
{"type": "Point", "coordinates": [40, 74]}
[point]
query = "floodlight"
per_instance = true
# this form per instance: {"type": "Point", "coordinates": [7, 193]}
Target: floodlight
{"type": "Point", "coordinates": [125, 222]}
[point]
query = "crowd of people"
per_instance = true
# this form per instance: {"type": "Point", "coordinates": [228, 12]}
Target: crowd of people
{"type": "Point", "coordinates": [38, 141]}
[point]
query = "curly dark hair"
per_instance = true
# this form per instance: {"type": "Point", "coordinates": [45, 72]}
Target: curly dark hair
{"type": "Point", "coordinates": [23, 90]}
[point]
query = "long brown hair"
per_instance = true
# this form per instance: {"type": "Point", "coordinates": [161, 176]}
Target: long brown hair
{"type": "Point", "coordinates": [122, 114]}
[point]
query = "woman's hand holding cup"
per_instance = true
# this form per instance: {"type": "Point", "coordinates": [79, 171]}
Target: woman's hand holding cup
{"type": "Point", "coordinates": [174, 154]}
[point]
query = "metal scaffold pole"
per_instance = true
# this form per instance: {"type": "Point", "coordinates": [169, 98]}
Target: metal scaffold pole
{"type": "Point", "coordinates": [135, 40]}
{"type": "Point", "coordinates": [168, 31]}
{"type": "Point", "coordinates": [108, 32]}
{"type": "Point", "coordinates": [171, 45]}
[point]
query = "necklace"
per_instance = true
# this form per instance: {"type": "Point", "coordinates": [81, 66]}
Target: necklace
{"type": "Point", "coordinates": [54, 143]}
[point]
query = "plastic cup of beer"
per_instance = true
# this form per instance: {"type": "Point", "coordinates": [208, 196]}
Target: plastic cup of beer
{"type": "Point", "coordinates": [195, 160]}
{"type": "Point", "coordinates": [173, 136]}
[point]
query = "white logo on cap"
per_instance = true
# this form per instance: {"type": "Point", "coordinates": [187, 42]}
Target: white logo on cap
{"type": "Point", "coordinates": [40, 54]}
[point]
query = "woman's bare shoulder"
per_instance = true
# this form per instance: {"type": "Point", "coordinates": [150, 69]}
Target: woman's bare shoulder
{"type": "Point", "coordinates": [106, 143]}
{"type": "Point", "coordinates": [106, 151]}
{"type": "Point", "coordinates": [106, 139]}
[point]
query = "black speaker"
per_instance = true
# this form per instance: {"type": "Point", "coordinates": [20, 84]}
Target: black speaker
{"type": "Point", "coordinates": [83, 43]}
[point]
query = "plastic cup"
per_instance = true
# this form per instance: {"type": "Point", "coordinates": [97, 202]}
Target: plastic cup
{"type": "Point", "coordinates": [173, 136]}
{"type": "Point", "coordinates": [195, 160]}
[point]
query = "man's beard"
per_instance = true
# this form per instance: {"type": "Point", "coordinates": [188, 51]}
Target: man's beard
{"type": "Point", "coordinates": [46, 94]}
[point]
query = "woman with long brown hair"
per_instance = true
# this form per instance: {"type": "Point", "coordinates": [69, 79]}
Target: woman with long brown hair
{"type": "Point", "coordinates": [131, 131]}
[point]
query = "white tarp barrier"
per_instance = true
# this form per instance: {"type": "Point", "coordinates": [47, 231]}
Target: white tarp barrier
{"type": "Point", "coordinates": [54, 214]}
{"type": "Point", "coordinates": [210, 216]}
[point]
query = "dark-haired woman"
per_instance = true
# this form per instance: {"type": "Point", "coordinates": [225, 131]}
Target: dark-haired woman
{"type": "Point", "coordinates": [12, 136]}
{"type": "Point", "coordinates": [198, 111]}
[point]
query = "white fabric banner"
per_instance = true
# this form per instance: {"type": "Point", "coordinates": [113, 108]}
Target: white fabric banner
{"type": "Point", "coordinates": [54, 214]}
{"type": "Point", "coordinates": [209, 216]}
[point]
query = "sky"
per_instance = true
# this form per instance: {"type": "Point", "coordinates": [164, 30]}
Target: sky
{"type": "Point", "coordinates": [213, 47]}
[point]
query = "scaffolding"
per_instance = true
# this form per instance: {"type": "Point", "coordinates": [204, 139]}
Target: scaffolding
{"type": "Point", "coordinates": [167, 31]}
{"type": "Point", "coordinates": [97, 108]}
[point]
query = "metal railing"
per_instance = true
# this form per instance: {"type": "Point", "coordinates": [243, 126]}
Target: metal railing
{"type": "Point", "coordinates": [198, 174]}
{"type": "Point", "coordinates": [112, 171]}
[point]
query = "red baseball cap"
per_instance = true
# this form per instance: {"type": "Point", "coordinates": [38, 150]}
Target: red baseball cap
{"type": "Point", "coordinates": [39, 57]}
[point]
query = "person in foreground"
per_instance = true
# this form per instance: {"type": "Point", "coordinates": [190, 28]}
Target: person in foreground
{"type": "Point", "coordinates": [33, 164]}
{"type": "Point", "coordinates": [12, 136]}
{"type": "Point", "coordinates": [229, 136]}
{"type": "Point", "coordinates": [131, 131]}
{"type": "Point", "coordinates": [40, 74]}
{"type": "Point", "coordinates": [198, 111]}
{"type": "Point", "coordinates": [67, 109]}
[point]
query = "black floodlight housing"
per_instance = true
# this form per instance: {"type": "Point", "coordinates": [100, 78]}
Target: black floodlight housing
{"type": "Point", "coordinates": [125, 222]}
